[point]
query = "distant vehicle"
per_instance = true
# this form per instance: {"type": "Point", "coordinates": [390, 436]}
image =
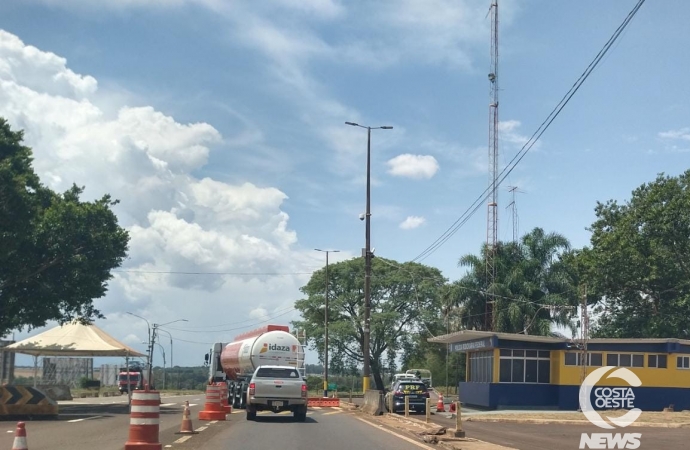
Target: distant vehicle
{"type": "Point", "coordinates": [414, 389]}
{"type": "Point", "coordinates": [277, 389]}
{"type": "Point", "coordinates": [130, 381]}
{"type": "Point", "coordinates": [422, 374]}
{"type": "Point", "coordinates": [402, 376]}
{"type": "Point", "coordinates": [236, 362]}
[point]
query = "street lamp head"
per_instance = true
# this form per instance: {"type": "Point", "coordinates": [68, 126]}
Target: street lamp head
{"type": "Point", "coordinates": [386, 128]}
{"type": "Point", "coordinates": [352, 123]}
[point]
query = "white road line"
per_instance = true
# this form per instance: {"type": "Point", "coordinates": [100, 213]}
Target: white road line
{"type": "Point", "coordinates": [381, 428]}
{"type": "Point", "coordinates": [10, 431]}
{"type": "Point", "coordinates": [82, 419]}
{"type": "Point", "coordinates": [182, 439]}
{"type": "Point", "coordinates": [168, 404]}
{"type": "Point", "coordinates": [332, 412]}
{"type": "Point", "coordinates": [200, 429]}
{"type": "Point", "coordinates": [192, 404]}
{"type": "Point", "coordinates": [213, 421]}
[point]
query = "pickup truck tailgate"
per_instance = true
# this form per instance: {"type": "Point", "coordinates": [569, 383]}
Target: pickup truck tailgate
{"type": "Point", "coordinates": [278, 388]}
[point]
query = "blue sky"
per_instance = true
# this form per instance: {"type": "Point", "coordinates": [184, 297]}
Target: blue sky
{"type": "Point", "coordinates": [220, 127]}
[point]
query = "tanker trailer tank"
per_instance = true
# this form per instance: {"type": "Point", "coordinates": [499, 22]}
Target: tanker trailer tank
{"type": "Point", "coordinates": [270, 345]}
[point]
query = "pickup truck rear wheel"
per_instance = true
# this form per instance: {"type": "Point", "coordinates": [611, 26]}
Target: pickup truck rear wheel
{"type": "Point", "coordinates": [301, 414]}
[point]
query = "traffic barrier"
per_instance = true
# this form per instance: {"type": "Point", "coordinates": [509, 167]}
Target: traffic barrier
{"type": "Point", "coordinates": [224, 398]}
{"type": "Point", "coordinates": [323, 402]}
{"type": "Point", "coordinates": [186, 427]}
{"type": "Point", "coordinates": [452, 407]}
{"type": "Point", "coordinates": [439, 406]}
{"type": "Point", "coordinates": [144, 421]}
{"type": "Point", "coordinates": [26, 401]}
{"type": "Point", "coordinates": [373, 402]}
{"type": "Point", "coordinates": [213, 409]}
{"type": "Point", "coordinates": [20, 437]}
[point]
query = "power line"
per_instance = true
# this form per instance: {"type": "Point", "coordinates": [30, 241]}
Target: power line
{"type": "Point", "coordinates": [533, 139]}
{"type": "Point", "coordinates": [212, 273]}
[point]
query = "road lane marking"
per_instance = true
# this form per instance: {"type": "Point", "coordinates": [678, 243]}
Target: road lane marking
{"type": "Point", "coordinates": [84, 418]}
{"type": "Point", "coordinates": [182, 439]}
{"type": "Point", "coordinates": [192, 404]}
{"type": "Point", "coordinates": [200, 429]}
{"type": "Point", "coordinates": [381, 428]}
{"type": "Point", "coordinates": [332, 412]}
{"type": "Point", "coordinates": [168, 404]}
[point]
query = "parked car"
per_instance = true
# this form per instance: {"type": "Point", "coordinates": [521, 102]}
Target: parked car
{"type": "Point", "coordinates": [415, 390]}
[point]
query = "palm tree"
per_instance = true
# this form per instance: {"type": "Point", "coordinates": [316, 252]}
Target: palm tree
{"type": "Point", "coordinates": [529, 276]}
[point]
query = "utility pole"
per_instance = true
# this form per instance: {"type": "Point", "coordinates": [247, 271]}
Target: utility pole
{"type": "Point", "coordinates": [367, 262]}
{"type": "Point", "coordinates": [584, 331]}
{"type": "Point", "coordinates": [492, 212]}
{"type": "Point", "coordinates": [325, 324]}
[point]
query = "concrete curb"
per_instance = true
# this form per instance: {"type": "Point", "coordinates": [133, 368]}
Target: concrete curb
{"type": "Point", "coordinates": [571, 422]}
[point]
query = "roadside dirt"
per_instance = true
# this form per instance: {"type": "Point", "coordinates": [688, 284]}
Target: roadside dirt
{"type": "Point", "coordinates": [646, 417]}
{"type": "Point", "coordinates": [429, 433]}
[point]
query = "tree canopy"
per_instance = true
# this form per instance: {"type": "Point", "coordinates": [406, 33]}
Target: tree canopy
{"type": "Point", "coordinates": [534, 286]}
{"type": "Point", "coordinates": [405, 299]}
{"type": "Point", "coordinates": [637, 269]}
{"type": "Point", "coordinates": [56, 251]}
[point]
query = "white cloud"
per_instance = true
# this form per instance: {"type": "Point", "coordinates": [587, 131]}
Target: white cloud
{"type": "Point", "coordinates": [413, 166]}
{"type": "Point", "coordinates": [412, 222]}
{"type": "Point", "coordinates": [180, 226]}
{"type": "Point", "coordinates": [683, 134]}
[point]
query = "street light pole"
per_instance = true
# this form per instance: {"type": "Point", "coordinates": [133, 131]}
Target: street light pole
{"type": "Point", "coordinates": [150, 347]}
{"type": "Point", "coordinates": [156, 326]}
{"type": "Point", "coordinates": [171, 354]}
{"type": "Point", "coordinates": [325, 320]}
{"type": "Point", "coordinates": [367, 261]}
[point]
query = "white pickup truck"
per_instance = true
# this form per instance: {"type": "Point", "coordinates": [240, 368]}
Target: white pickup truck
{"type": "Point", "coordinates": [277, 389]}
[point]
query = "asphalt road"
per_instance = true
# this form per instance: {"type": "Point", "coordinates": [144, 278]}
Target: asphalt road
{"type": "Point", "coordinates": [97, 423]}
{"type": "Point", "coordinates": [331, 428]}
{"type": "Point", "coordinates": [103, 424]}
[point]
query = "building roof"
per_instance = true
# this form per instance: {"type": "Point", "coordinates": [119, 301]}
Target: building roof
{"type": "Point", "coordinates": [471, 335]}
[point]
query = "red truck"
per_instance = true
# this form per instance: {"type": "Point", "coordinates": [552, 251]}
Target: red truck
{"type": "Point", "coordinates": [135, 378]}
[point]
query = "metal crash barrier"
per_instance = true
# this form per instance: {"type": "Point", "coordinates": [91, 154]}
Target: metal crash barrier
{"type": "Point", "coordinates": [26, 401]}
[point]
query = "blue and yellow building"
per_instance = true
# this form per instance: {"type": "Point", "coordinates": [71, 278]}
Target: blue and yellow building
{"type": "Point", "coordinates": [505, 370]}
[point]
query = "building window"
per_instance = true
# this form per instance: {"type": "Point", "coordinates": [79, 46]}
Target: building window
{"type": "Point", "coordinates": [624, 360]}
{"type": "Point", "coordinates": [576, 359]}
{"type": "Point", "coordinates": [525, 366]}
{"type": "Point", "coordinates": [683, 362]}
{"type": "Point", "coordinates": [481, 366]}
{"type": "Point", "coordinates": [658, 361]}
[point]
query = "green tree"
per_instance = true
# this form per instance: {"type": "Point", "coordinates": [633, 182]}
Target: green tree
{"type": "Point", "coordinates": [535, 286]}
{"type": "Point", "coordinates": [56, 251]}
{"type": "Point", "coordinates": [404, 299]}
{"type": "Point", "coordinates": [637, 269]}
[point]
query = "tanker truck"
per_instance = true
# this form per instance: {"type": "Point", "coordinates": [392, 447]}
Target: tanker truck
{"type": "Point", "coordinates": [234, 363]}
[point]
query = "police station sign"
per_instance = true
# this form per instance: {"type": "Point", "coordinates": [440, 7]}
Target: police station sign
{"type": "Point", "coordinates": [472, 345]}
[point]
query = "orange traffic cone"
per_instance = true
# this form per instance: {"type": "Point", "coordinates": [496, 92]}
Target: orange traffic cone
{"type": "Point", "coordinates": [439, 406]}
{"type": "Point", "coordinates": [20, 437]}
{"type": "Point", "coordinates": [186, 427]}
{"type": "Point", "coordinates": [452, 407]}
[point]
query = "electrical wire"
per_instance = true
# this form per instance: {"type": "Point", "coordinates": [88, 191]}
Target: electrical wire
{"type": "Point", "coordinates": [213, 273]}
{"type": "Point", "coordinates": [533, 139]}
{"type": "Point", "coordinates": [235, 328]}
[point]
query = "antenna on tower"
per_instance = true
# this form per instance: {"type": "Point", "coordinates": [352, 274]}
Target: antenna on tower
{"type": "Point", "coordinates": [492, 210]}
{"type": "Point", "coordinates": [513, 207]}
